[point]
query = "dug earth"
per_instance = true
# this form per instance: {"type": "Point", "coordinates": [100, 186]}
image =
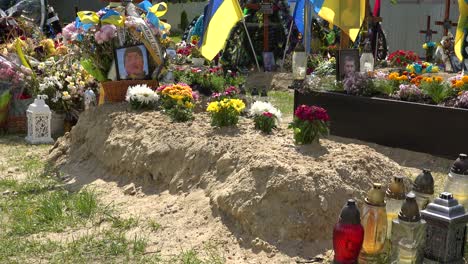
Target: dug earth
{"type": "Point", "coordinates": [280, 196]}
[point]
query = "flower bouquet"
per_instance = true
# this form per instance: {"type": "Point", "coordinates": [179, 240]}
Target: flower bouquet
{"type": "Point", "coordinates": [309, 123]}
{"type": "Point", "coordinates": [266, 116]}
{"type": "Point", "coordinates": [141, 97]}
{"type": "Point", "coordinates": [178, 101]}
{"type": "Point", "coordinates": [430, 50]}
{"type": "Point", "coordinates": [401, 58]}
{"type": "Point", "coordinates": [225, 112]}
{"type": "Point", "coordinates": [421, 68]}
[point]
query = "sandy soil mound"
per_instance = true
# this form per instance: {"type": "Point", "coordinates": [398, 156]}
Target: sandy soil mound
{"type": "Point", "coordinates": [268, 186]}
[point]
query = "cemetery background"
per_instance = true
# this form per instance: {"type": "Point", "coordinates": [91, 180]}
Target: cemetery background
{"type": "Point", "coordinates": [401, 22]}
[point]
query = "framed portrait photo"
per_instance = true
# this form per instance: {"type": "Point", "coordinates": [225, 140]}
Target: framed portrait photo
{"type": "Point", "coordinates": [132, 63]}
{"type": "Point", "coordinates": [347, 62]}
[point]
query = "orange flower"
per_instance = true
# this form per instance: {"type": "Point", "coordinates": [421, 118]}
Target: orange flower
{"type": "Point", "coordinates": [459, 84]}
{"type": "Point", "coordinates": [439, 79]}
{"type": "Point", "coordinates": [465, 79]}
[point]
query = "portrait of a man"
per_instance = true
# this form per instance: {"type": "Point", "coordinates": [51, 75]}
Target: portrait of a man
{"type": "Point", "coordinates": [132, 63]}
{"type": "Point", "coordinates": [348, 62]}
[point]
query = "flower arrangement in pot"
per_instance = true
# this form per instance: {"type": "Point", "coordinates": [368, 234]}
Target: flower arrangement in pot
{"type": "Point", "coordinates": [178, 101]}
{"type": "Point", "coordinates": [266, 116]}
{"type": "Point", "coordinates": [225, 112]}
{"type": "Point", "coordinates": [309, 124]}
{"type": "Point", "coordinates": [141, 97]}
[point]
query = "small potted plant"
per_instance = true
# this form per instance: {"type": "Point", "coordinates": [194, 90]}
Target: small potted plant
{"type": "Point", "coordinates": [178, 101]}
{"type": "Point", "coordinates": [225, 112]}
{"type": "Point", "coordinates": [309, 124]}
{"type": "Point", "coordinates": [266, 116]}
{"type": "Point", "coordinates": [141, 97]}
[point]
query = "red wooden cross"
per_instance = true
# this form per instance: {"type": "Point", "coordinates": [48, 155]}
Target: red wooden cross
{"type": "Point", "coordinates": [428, 30]}
{"type": "Point", "coordinates": [447, 23]}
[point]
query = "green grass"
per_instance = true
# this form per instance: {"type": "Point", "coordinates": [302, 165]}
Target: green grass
{"type": "Point", "coordinates": [37, 209]}
{"type": "Point", "coordinates": [124, 224]}
{"type": "Point", "coordinates": [153, 225]}
{"type": "Point", "coordinates": [283, 100]}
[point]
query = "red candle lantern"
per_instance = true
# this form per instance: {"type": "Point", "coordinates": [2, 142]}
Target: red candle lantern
{"type": "Point", "coordinates": [348, 235]}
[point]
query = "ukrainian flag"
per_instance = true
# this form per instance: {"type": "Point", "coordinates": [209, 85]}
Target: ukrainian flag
{"type": "Point", "coordinates": [219, 18]}
{"type": "Point", "coordinates": [462, 24]}
{"type": "Point", "coordinates": [348, 15]}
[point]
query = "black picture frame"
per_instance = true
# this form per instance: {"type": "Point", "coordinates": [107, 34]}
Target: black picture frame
{"type": "Point", "coordinates": [120, 55]}
{"type": "Point", "coordinates": [343, 57]}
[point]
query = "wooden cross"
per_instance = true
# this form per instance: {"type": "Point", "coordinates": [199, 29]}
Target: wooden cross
{"type": "Point", "coordinates": [447, 23]}
{"type": "Point", "coordinates": [428, 30]}
{"type": "Point", "coordinates": [267, 9]}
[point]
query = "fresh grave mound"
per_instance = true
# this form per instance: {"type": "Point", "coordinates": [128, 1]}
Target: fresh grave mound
{"type": "Point", "coordinates": [270, 187]}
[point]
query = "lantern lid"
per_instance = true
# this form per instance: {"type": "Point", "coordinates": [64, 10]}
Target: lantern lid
{"type": "Point", "coordinates": [446, 209]}
{"type": "Point", "coordinates": [460, 166]}
{"type": "Point", "coordinates": [409, 210]}
{"type": "Point", "coordinates": [39, 106]}
{"type": "Point", "coordinates": [350, 213]}
{"type": "Point", "coordinates": [424, 183]}
{"type": "Point", "coordinates": [396, 189]}
{"type": "Point", "coordinates": [367, 47]}
{"type": "Point", "coordinates": [376, 196]}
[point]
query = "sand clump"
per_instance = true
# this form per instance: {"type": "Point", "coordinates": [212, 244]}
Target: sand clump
{"type": "Point", "coordinates": [273, 190]}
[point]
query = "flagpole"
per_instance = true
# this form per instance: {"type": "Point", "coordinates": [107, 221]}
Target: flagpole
{"type": "Point", "coordinates": [251, 45]}
{"type": "Point", "coordinates": [287, 43]}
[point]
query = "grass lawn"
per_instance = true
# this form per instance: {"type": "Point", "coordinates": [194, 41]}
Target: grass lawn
{"type": "Point", "coordinates": [37, 216]}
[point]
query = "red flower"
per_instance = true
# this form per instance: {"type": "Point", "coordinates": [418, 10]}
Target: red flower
{"type": "Point", "coordinates": [268, 114]}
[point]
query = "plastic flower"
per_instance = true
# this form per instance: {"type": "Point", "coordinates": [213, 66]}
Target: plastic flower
{"type": "Point", "coordinates": [66, 96]}
{"type": "Point", "coordinates": [106, 33]}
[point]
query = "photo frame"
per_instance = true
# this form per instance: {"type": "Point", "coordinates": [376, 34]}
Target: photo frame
{"type": "Point", "coordinates": [347, 60]}
{"type": "Point", "coordinates": [132, 62]}
{"type": "Point", "coordinates": [268, 61]}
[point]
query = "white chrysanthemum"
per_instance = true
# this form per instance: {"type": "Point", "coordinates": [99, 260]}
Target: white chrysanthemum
{"type": "Point", "coordinates": [142, 94]}
{"type": "Point", "coordinates": [259, 107]}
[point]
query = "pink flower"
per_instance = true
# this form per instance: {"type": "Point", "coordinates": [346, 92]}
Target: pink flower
{"type": "Point", "coordinates": [195, 95]}
{"type": "Point", "coordinates": [268, 114]}
{"type": "Point", "coordinates": [106, 33]}
{"type": "Point", "coordinates": [70, 32]}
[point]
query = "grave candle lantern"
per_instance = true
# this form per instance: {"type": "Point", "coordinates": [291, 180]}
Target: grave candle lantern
{"type": "Point", "coordinates": [374, 221]}
{"type": "Point", "coordinates": [412, 228]}
{"type": "Point", "coordinates": [423, 188]}
{"type": "Point", "coordinates": [446, 229]}
{"type": "Point", "coordinates": [457, 182]}
{"type": "Point", "coordinates": [367, 59]}
{"type": "Point", "coordinates": [395, 198]}
{"type": "Point", "coordinates": [299, 61]}
{"type": "Point", "coordinates": [39, 116]}
{"type": "Point", "coordinates": [348, 235]}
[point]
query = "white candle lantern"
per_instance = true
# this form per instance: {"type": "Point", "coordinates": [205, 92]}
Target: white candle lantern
{"type": "Point", "coordinates": [39, 116]}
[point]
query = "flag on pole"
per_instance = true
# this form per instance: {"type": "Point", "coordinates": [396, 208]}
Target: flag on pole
{"type": "Point", "coordinates": [345, 14]}
{"type": "Point", "coordinates": [299, 17]}
{"type": "Point", "coordinates": [462, 24]}
{"type": "Point", "coordinates": [219, 18]}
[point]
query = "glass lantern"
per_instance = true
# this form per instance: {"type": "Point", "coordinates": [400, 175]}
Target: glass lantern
{"type": "Point", "coordinates": [395, 197]}
{"type": "Point", "coordinates": [374, 221]}
{"type": "Point", "coordinates": [367, 59]}
{"type": "Point", "coordinates": [39, 116]}
{"type": "Point", "coordinates": [299, 61]}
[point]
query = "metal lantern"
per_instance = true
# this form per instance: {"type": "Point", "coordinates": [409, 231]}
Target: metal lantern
{"type": "Point", "coordinates": [39, 116]}
{"type": "Point", "coordinates": [446, 230]}
{"type": "Point", "coordinates": [299, 61]}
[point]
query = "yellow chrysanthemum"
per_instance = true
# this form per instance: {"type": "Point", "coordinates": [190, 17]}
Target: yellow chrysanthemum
{"type": "Point", "coordinates": [213, 107]}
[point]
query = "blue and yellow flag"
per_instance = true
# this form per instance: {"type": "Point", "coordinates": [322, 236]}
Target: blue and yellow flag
{"type": "Point", "coordinates": [348, 15]}
{"type": "Point", "coordinates": [462, 24]}
{"type": "Point", "coordinates": [219, 18]}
